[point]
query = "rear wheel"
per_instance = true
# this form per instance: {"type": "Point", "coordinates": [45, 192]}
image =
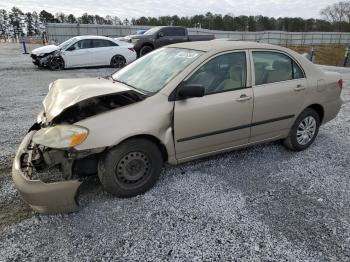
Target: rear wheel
{"type": "Point", "coordinates": [118, 61]}
{"type": "Point", "coordinates": [131, 168]}
{"type": "Point", "coordinates": [56, 63]}
{"type": "Point", "coordinates": [145, 50]}
{"type": "Point", "coordinates": [303, 131]}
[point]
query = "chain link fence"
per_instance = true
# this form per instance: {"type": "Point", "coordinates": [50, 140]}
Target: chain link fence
{"type": "Point", "coordinates": [61, 32]}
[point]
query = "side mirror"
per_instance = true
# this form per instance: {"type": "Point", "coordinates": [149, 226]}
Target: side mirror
{"type": "Point", "coordinates": [188, 91]}
{"type": "Point", "coordinates": [160, 34]}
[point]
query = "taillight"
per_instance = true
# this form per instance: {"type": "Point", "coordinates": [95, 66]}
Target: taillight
{"type": "Point", "coordinates": [131, 49]}
{"type": "Point", "coordinates": [340, 83]}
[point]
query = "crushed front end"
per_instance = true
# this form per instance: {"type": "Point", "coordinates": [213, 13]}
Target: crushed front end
{"type": "Point", "coordinates": [48, 168]}
{"type": "Point", "coordinates": [43, 59]}
{"type": "Point", "coordinates": [48, 179]}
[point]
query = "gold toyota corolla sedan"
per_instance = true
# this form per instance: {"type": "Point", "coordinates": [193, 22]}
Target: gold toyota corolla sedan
{"type": "Point", "coordinates": [176, 104]}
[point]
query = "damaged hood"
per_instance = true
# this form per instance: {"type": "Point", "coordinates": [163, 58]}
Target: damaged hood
{"type": "Point", "coordinates": [45, 49]}
{"type": "Point", "coordinates": [67, 92]}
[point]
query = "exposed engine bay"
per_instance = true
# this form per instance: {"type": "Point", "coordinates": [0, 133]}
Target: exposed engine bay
{"type": "Point", "coordinates": [97, 105]}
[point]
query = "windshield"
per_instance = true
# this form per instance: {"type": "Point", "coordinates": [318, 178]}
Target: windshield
{"type": "Point", "coordinates": [65, 44]}
{"type": "Point", "coordinates": [153, 71]}
{"type": "Point", "coordinates": [152, 31]}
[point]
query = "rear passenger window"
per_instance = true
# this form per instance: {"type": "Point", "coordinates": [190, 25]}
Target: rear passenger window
{"type": "Point", "coordinates": [178, 31]}
{"type": "Point", "coordinates": [96, 43]}
{"type": "Point", "coordinates": [271, 67]}
{"type": "Point", "coordinates": [297, 72]}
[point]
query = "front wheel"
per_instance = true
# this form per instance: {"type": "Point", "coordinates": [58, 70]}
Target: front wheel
{"type": "Point", "coordinates": [131, 168]}
{"type": "Point", "coordinates": [303, 131]}
{"type": "Point", "coordinates": [56, 63]}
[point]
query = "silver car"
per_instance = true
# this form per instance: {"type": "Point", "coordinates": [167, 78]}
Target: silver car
{"type": "Point", "coordinates": [176, 104]}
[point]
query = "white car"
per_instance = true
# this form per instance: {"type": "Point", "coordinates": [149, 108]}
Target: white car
{"type": "Point", "coordinates": [83, 51]}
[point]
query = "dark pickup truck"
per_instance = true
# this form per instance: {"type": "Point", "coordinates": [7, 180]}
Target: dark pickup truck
{"type": "Point", "coordinates": [160, 36]}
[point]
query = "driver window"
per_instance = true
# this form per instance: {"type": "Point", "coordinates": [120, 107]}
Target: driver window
{"type": "Point", "coordinates": [223, 73]}
{"type": "Point", "coordinates": [83, 44]}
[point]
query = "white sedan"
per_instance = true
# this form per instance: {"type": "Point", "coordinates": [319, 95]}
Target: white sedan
{"type": "Point", "coordinates": [84, 51]}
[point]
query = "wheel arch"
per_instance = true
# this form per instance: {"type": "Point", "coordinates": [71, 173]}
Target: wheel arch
{"type": "Point", "coordinates": [147, 44]}
{"type": "Point", "coordinates": [319, 109]}
{"type": "Point", "coordinates": [59, 56]}
{"type": "Point", "coordinates": [110, 62]}
{"type": "Point", "coordinates": [152, 138]}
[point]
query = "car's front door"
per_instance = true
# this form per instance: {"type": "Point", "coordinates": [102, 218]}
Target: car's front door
{"type": "Point", "coordinates": [221, 118]}
{"type": "Point", "coordinates": [279, 92]}
{"type": "Point", "coordinates": [164, 37]}
{"type": "Point", "coordinates": [78, 54]}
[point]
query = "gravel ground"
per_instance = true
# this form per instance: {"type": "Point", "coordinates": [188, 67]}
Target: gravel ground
{"type": "Point", "coordinates": [260, 203]}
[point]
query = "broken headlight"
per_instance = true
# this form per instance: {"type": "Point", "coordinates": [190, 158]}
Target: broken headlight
{"type": "Point", "coordinates": [61, 136]}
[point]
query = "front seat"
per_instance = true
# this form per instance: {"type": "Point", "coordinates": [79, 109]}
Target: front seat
{"type": "Point", "coordinates": [235, 80]}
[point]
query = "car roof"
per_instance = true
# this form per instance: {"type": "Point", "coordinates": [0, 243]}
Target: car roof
{"type": "Point", "coordinates": [82, 37]}
{"type": "Point", "coordinates": [213, 45]}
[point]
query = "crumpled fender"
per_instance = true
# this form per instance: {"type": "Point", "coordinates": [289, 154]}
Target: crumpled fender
{"type": "Point", "coordinates": [47, 198]}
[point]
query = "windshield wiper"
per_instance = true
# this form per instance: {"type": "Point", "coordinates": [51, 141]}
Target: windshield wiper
{"type": "Point", "coordinates": [138, 89]}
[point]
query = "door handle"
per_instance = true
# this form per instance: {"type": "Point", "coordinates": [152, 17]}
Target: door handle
{"type": "Point", "coordinates": [299, 87]}
{"type": "Point", "coordinates": [243, 98]}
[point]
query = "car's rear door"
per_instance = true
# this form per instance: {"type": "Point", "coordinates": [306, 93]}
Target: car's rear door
{"type": "Point", "coordinates": [221, 119]}
{"type": "Point", "coordinates": [177, 35]}
{"type": "Point", "coordinates": [103, 51]}
{"type": "Point", "coordinates": [78, 54]}
{"type": "Point", "coordinates": [280, 89]}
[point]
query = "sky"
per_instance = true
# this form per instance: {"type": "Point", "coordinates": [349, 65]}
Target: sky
{"type": "Point", "coordinates": [137, 8]}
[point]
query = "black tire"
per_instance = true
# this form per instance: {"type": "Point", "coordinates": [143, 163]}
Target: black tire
{"type": "Point", "coordinates": [145, 50]}
{"type": "Point", "coordinates": [118, 61]}
{"type": "Point", "coordinates": [293, 142]}
{"type": "Point", "coordinates": [56, 63]}
{"type": "Point", "coordinates": [131, 168]}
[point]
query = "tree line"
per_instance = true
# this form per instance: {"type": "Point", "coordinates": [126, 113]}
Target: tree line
{"type": "Point", "coordinates": [336, 17]}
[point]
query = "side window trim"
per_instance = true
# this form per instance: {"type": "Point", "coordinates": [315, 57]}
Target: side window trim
{"type": "Point", "coordinates": [252, 66]}
{"type": "Point", "coordinates": [111, 43]}
{"type": "Point", "coordinates": [247, 75]}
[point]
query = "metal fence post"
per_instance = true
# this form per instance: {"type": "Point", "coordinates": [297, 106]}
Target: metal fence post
{"type": "Point", "coordinates": [23, 40]}
{"type": "Point", "coordinates": [312, 54]}
{"type": "Point", "coordinates": [346, 56]}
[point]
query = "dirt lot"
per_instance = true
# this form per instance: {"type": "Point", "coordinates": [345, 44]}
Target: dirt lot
{"type": "Point", "coordinates": [261, 203]}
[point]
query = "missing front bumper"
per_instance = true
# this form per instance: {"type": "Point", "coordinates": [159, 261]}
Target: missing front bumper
{"type": "Point", "coordinates": [48, 198]}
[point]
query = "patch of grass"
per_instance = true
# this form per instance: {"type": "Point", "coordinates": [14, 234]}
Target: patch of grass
{"type": "Point", "coordinates": [324, 54]}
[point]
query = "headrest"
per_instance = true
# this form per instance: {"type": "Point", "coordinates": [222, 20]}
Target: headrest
{"type": "Point", "coordinates": [281, 65]}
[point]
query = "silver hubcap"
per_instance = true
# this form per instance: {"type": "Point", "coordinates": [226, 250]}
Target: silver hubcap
{"type": "Point", "coordinates": [306, 130]}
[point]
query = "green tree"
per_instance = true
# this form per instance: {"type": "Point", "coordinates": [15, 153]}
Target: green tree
{"type": "Point", "coordinates": [15, 18]}
{"type": "Point", "coordinates": [251, 23]}
{"type": "Point", "coordinates": [46, 17]}
{"type": "Point", "coordinates": [30, 24]}
{"type": "Point", "coordinates": [3, 22]}
{"type": "Point", "coordinates": [71, 19]}
{"type": "Point", "coordinates": [61, 17]}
